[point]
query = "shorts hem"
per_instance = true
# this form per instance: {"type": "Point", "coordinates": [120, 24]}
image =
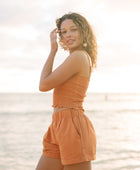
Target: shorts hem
{"type": "Point", "coordinates": [52, 155]}
{"type": "Point", "coordinates": [76, 161]}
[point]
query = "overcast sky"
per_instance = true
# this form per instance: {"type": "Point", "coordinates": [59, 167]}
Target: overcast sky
{"type": "Point", "coordinates": [24, 42]}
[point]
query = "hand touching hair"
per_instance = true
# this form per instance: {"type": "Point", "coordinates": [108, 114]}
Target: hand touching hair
{"type": "Point", "coordinates": [88, 37]}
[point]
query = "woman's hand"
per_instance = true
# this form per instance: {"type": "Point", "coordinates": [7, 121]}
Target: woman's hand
{"type": "Point", "coordinates": [53, 39]}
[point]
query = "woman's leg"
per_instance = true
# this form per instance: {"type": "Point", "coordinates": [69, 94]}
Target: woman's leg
{"type": "Point", "coordinates": [46, 163]}
{"type": "Point", "coordinates": [79, 166]}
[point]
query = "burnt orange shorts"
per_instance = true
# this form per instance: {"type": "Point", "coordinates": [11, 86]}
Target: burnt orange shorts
{"type": "Point", "coordinates": [70, 137]}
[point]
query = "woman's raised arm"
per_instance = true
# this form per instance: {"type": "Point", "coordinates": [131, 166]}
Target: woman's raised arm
{"type": "Point", "coordinates": [71, 66]}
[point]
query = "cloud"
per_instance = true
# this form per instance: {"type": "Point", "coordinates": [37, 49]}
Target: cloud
{"type": "Point", "coordinates": [16, 80]}
{"type": "Point", "coordinates": [24, 31]}
{"type": "Point", "coordinates": [25, 27]}
{"type": "Point", "coordinates": [115, 54]}
{"type": "Point", "coordinates": [18, 13]}
{"type": "Point", "coordinates": [122, 5]}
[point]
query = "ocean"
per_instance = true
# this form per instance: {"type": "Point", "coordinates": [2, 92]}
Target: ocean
{"type": "Point", "coordinates": [25, 117]}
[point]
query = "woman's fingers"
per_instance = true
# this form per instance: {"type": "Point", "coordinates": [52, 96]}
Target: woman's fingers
{"type": "Point", "coordinates": [55, 30]}
{"type": "Point", "coordinates": [53, 37]}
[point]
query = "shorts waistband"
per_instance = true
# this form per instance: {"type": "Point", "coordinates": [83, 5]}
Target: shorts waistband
{"type": "Point", "coordinates": [67, 113]}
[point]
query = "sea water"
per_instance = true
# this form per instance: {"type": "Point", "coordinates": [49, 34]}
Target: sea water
{"type": "Point", "coordinates": [25, 117]}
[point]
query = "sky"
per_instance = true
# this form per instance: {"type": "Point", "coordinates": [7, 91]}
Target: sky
{"type": "Point", "coordinates": [24, 42]}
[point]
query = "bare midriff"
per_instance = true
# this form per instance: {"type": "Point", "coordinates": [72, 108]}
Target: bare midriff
{"type": "Point", "coordinates": [58, 109]}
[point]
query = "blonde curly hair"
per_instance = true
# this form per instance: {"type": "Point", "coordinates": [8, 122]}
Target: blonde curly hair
{"type": "Point", "coordinates": [89, 39]}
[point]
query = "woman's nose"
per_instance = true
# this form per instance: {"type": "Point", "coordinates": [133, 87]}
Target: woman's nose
{"type": "Point", "coordinates": [68, 34]}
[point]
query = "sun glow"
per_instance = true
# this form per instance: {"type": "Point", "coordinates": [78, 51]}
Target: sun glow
{"type": "Point", "coordinates": [23, 44]}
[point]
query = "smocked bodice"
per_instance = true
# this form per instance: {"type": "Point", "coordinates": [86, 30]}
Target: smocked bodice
{"type": "Point", "coordinates": [71, 93]}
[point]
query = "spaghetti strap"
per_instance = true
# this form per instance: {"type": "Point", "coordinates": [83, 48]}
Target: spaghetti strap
{"type": "Point", "coordinates": [89, 59]}
{"type": "Point", "coordinates": [90, 63]}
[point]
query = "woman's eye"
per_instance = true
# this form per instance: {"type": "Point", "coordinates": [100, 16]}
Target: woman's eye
{"type": "Point", "coordinates": [63, 32]}
{"type": "Point", "coordinates": [74, 29]}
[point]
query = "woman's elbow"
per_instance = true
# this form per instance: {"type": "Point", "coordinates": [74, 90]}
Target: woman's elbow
{"type": "Point", "coordinates": [41, 89]}
{"type": "Point", "coordinates": [44, 88]}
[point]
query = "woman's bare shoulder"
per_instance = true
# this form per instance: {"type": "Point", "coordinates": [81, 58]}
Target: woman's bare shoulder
{"type": "Point", "coordinates": [78, 55]}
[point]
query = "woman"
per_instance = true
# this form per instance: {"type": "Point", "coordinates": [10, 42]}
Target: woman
{"type": "Point", "coordinates": [70, 142]}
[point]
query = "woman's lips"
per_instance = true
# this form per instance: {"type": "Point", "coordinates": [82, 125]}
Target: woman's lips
{"type": "Point", "coordinates": [70, 41]}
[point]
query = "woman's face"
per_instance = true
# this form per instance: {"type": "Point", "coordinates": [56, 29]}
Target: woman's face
{"type": "Point", "coordinates": [71, 35]}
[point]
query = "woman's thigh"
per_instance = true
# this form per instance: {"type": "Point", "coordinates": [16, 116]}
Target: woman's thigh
{"type": "Point", "coordinates": [46, 163]}
{"type": "Point", "coordinates": [79, 166]}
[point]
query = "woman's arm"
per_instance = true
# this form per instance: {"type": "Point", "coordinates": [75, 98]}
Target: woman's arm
{"type": "Point", "coordinates": [71, 66]}
{"type": "Point", "coordinates": [47, 69]}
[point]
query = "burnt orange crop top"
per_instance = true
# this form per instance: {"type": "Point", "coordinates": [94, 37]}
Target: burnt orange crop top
{"type": "Point", "coordinates": [71, 93]}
